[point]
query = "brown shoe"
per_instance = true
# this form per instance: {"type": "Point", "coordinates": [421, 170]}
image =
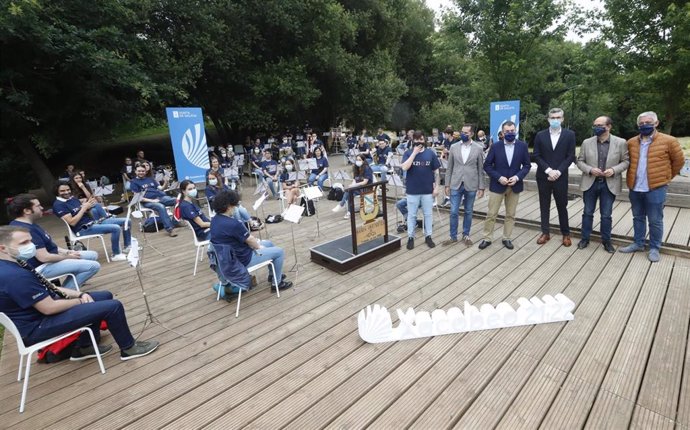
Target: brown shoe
{"type": "Point", "coordinates": [171, 233]}
{"type": "Point", "coordinates": [543, 239]}
{"type": "Point", "coordinates": [566, 240]}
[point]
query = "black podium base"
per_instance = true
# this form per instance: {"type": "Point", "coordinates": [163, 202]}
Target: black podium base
{"type": "Point", "coordinates": [337, 254]}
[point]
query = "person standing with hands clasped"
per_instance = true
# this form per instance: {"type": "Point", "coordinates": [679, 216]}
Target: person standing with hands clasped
{"type": "Point", "coordinates": [464, 181]}
{"type": "Point", "coordinates": [507, 164]}
{"type": "Point", "coordinates": [603, 158]}
{"type": "Point", "coordinates": [655, 159]}
{"type": "Point", "coordinates": [554, 152]}
{"type": "Point", "coordinates": [421, 165]}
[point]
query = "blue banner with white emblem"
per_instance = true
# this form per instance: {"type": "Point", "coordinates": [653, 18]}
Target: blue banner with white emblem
{"type": "Point", "coordinates": [189, 143]}
{"type": "Point", "coordinates": [501, 112]}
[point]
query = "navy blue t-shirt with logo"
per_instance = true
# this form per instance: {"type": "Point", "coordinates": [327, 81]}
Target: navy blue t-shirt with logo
{"type": "Point", "coordinates": [19, 291]}
{"type": "Point", "coordinates": [420, 177]}
{"type": "Point", "coordinates": [227, 230]}
{"type": "Point", "coordinates": [148, 186]}
{"type": "Point", "coordinates": [189, 211]}
{"type": "Point", "coordinates": [270, 166]}
{"type": "Point", "coordinates": [71, 206]}
{"type": "Point", "coordinates": [320, 164]}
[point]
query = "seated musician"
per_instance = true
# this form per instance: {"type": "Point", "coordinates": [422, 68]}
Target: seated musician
{"type": "Point", "coordinates": [290, 183]}
{"type": "Point", "coordinates": [189, 211]}
{"type": "Point", "coordinates": [90, 218]}
{"type": "Point", "coordinates": [230, 237]}
{"type": "Point", "coordinates": [320, 174]}
{"type": "Point", "coordinates": [40, 310]}
{"type": "Point", "coordinates": [362, 176]}
{"type": "Point", "coordinates": [152, 196]}
{"type": "Point", "coordinates": [383, 150]}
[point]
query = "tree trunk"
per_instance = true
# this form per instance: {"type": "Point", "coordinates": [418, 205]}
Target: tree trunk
{"type": "Point", "coordinates": [220, 132]}
{"type": "Point", "coordinates": [38, 165]}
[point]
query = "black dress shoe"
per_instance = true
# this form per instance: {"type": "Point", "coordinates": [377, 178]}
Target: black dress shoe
{"type": "Point", "coordinates": [484, 244]}
{"type": "Point", "coordinates": [508, 244]}
{"type": "Point", "coordinates": [429, 242]}
{"type": "Point", "coordinates": [410, 243]}
{"type": "Point", "coordinates": [609, 247]}
{"type": "Point", "coordinates": [582, 244]}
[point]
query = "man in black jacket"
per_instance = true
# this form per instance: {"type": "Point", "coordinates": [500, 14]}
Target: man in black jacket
{"type": "Point", "coordinates": [554, 152]}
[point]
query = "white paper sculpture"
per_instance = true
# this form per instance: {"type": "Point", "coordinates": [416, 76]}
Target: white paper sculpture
{"type": "Point", "coordinates": [375, 324]}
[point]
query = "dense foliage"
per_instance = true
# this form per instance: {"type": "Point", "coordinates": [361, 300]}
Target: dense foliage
{"type": "Point", "coordinates": [72, 71]}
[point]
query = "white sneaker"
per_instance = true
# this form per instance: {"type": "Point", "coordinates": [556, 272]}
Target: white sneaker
{"type": "Point", "coordinates": [347, 215]}
{"type": "Point", "coordinates": [128, 248]}
{"type": "Point", "coordinates": [118, 257]}
{"type": "Point", "coordinates": [338, 208]}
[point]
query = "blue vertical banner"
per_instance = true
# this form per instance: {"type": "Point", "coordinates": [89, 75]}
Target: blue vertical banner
{"type": "Point", "coordinates": [500, 112]}
{"type": "Point", "coordinates": [189, 143]}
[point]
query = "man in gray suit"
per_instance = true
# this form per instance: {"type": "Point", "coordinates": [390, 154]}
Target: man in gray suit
{"type": "Point", "coordinates": [464, 181]}
{"type": "Point", "coordinates": [603, 159]}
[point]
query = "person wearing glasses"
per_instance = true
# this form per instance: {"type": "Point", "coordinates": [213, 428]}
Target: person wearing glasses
{"type": "Point", "coordinates": [554, 152]}
{"type": "Point", "coordinates": [655, 159]}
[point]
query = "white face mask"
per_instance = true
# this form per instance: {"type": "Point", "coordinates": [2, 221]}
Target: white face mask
{"type": "Point", "coordinates": [359, 163]}
{"type": "Point", "coordinates": [213, 181]}
{"type": "Point", "coordinates": [288, 167]}
{"type": "Point", "coordinates": [26, 252]}
{"type": "Point", "coordinates": [257, 150]}
{"type": "Point", "coordinates": [192, 193]}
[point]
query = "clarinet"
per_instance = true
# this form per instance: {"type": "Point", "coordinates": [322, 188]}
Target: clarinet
{"type": "Point", "coordinates": [45, 282]}
{"type": "Point", "coordinates": [96, 221]}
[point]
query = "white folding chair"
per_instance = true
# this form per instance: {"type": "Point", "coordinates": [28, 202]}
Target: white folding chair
{"type": "Point", "coordinates": [148, 213]}
{"type": "Point", "coordinates": [251, 270]}
{"type": "Point", "coordinates": [66, 275]}
{"type": "Point", "coordinates": [73, 238]}
{"type": "Point", "coordinates": [283, 199]}
{"type": "Point", "coordinates": [200, 245]}
{"type": "Point", "coordinates": [25, 351]}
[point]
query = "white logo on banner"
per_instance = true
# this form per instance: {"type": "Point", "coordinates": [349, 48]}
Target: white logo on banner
{"type": "Point", "coordinates": [194, 147]}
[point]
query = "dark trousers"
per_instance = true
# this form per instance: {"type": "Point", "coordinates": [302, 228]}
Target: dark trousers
{"type": "Point", "coordinates": [104, 308]}
{"type": "Point", "coordinates": [599, 191]}
{"type": "Point", "coordinates": [559, 189]}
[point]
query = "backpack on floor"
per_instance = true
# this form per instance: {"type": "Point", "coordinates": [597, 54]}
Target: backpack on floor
{"type": "Point", "coordinates": [335, 194]}
{"type": "Point", "coordinates": [308, 205]}
{"type": "Point", "coordinates": [149, 225]}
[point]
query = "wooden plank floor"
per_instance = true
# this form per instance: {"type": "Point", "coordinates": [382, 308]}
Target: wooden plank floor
{"type": "Point", "coordinates": [297, 361]}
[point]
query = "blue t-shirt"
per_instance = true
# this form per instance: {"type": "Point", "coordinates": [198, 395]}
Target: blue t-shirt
{"type": "Point", "coordinates": [256, 159]}
{"type": "Point", "coordinates": [71, 207]}
{"type": "Point", "coordinates": [420, 177]}
{"type": "Point", "coordinates": [285, 178]}
{"type": "Point", "coordinates": [19, 291]}
{"type": "Point", "coordinates": [364, 147]}
{"type": "Point", "coordinates": [382, 154]}
{"type": "Point", "coordinates": [351, 142]}
{"type": "Point", "coordinates": [148, 185]}
{"type": "Point", "coordinates": [270, 166]}
{"type": "Point", "coordinates": [212, 190]}
{"type": "Point", "coordinates": [227, 230]}
{"type": "Point", "coordinates": [383, 136]}
{"type": "Point", "coordinates": [40, 238]}
{"type": "Point", "coordinates": [189, 211]}
{"type": "Point", "coordinates": [320, 164]}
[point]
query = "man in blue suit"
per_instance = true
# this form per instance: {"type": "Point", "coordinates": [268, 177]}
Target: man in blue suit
{"type": "Point", "coordinates": [554, 152]}
{"type": "Point", "coordinates": [507, 165]}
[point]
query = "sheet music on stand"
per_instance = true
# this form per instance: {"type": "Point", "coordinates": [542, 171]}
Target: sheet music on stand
{"type": "Point", "coordinates": [259, 201]}
{"type": "Point", "coordinates": [444, 163]}
{"type": "Point", "coordinates": [394, 160]}
{"type": "Point", "coordinates": [302, 175]}
{"type": "Point", "coordinates": [293, 213]}
{"type": "Point", "coordinates": [312, 193]}
{"type": "Point", "coordinates": [292, 176]}
{"type": "Point", "coordinates": [103, 191]}
{"type": "Point", "coordinates": [92, 184]}
{"type": "Point", "coordinates": [301, 144]}
{"type": "Point", "coordinates": [238, 160]}
{"type": "Point", "coordinates": [260, 188]}
{"type": "Point", "coordinates": [230, 171]}
{"type": "Point", "coordinates": [307, 164]}
{"type": "Point", "coordinates": [267, 146]}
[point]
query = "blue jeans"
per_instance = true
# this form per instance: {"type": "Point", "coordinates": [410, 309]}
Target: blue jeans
{"type": "Point", "coordinates": [414, 201]}
{"type": "Point", "coordinates": [104, 308]}
{"type": "Point", "coordinates": [272, 185]}
{"type": "Point", "coordinates": [320, 179]}
{"type": "Point", "coordinates": [259, 173]}
{"type": "Point", "coordinates": [381, 169]}
{"type": "Point", "coordinates": [159, 208]}
{"type": "Point", "coordinates": [455, 197]}
{"type": "Point", "coordinates": [114, 227]}
{"type": "Point", "coordinates": [648, 206]}
{"type": "Point", "coordinates": [598, 191]}
{"type": "Point", "coordinates": [402, 207]}
{"type": "Point", "coordinates": [242, 214]}
{"type": "Point", "coordinates": [272, 253]}
{"type": "Point", "coordinates": [82, 269]}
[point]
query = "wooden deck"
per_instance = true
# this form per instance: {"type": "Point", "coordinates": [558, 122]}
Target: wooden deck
{"type": "Point", "coordinates": [297, 362]}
